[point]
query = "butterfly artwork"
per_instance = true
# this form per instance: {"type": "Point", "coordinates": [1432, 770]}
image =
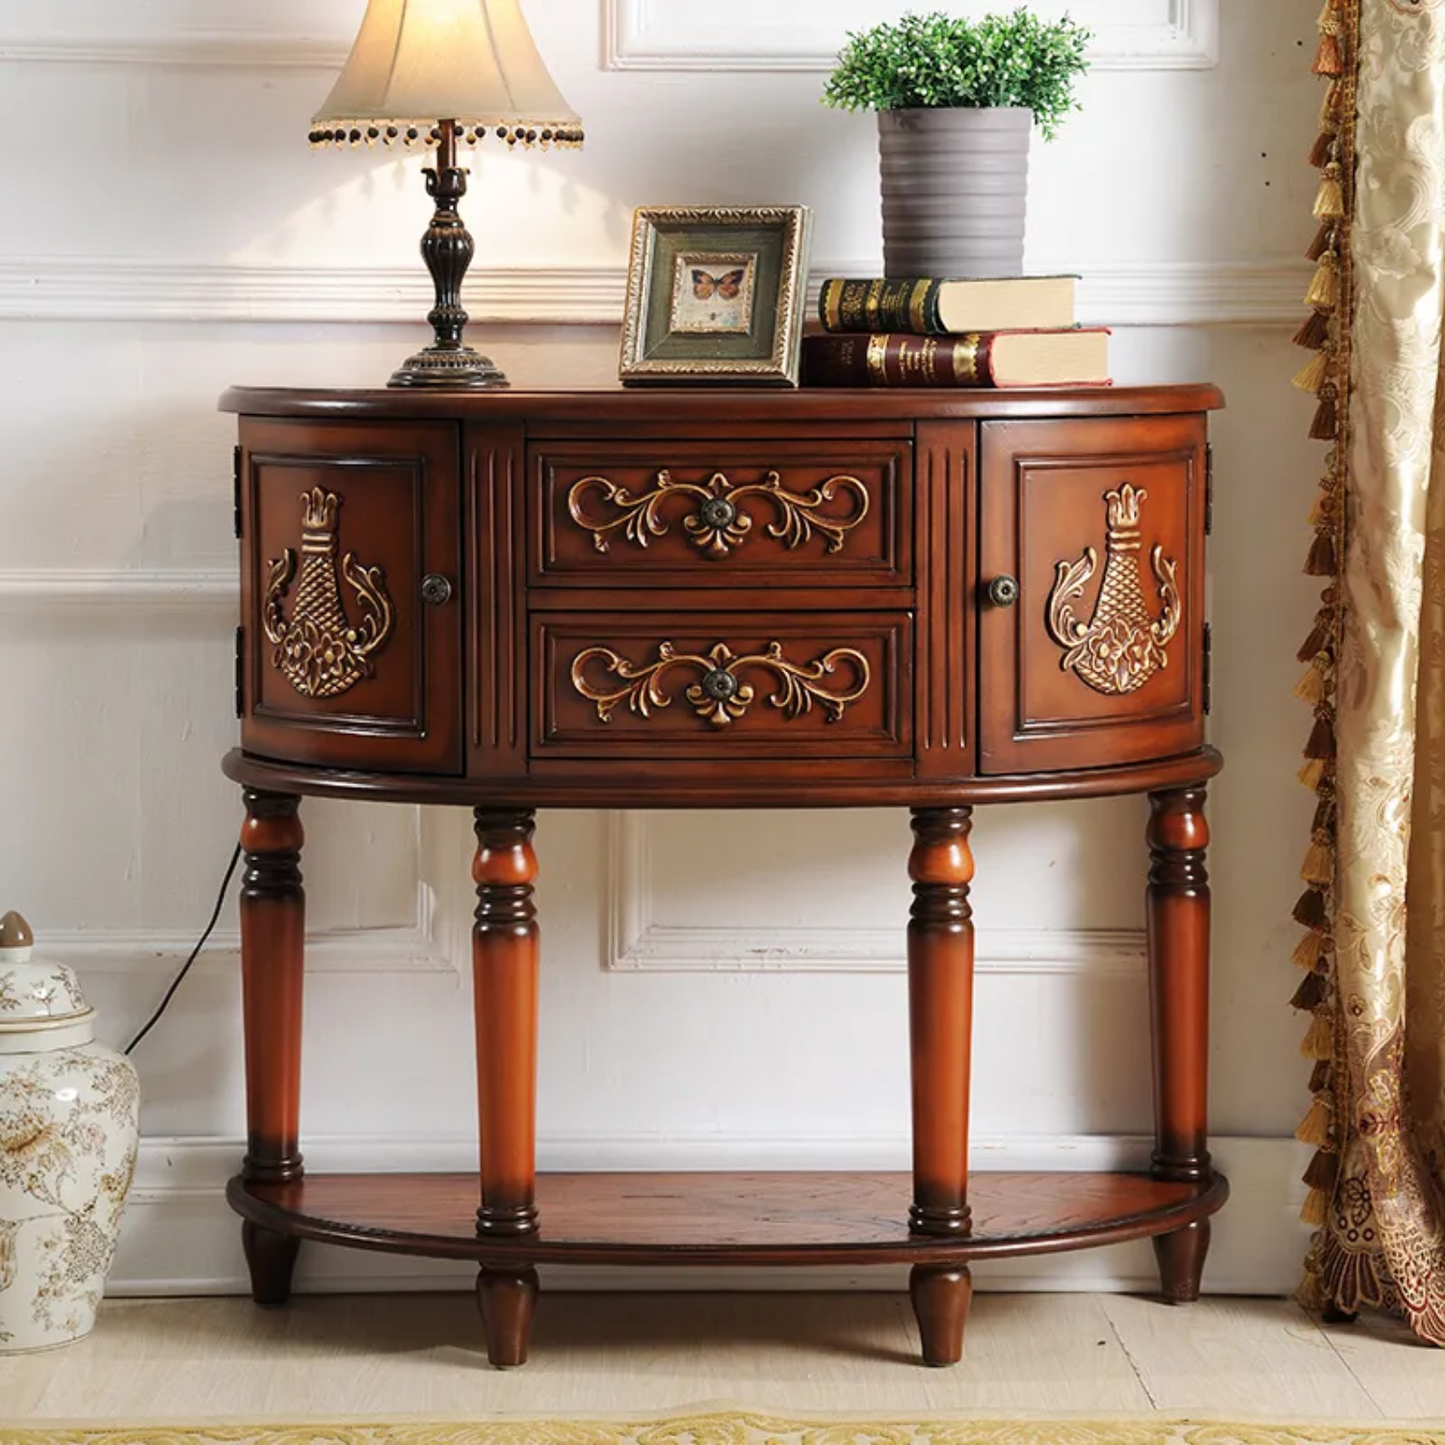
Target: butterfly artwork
{"type": "Point", "coordinates": [713, 294]}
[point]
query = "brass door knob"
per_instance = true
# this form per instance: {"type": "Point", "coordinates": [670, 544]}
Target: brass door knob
{"type": "Point", "coordinates": [1003, 591]}
{"type": "Point", "coordinates": [436, 590]}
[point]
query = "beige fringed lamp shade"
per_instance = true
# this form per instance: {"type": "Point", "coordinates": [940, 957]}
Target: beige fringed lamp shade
{"type": "Point", "coordinates": [417, 62]}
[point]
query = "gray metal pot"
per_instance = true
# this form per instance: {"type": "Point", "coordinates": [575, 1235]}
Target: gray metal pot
{"type": "Point", "coordinates": [955, 190]}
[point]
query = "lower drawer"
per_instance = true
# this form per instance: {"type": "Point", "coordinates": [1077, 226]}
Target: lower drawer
{"type": "Point", "coordinates": [706, 685]}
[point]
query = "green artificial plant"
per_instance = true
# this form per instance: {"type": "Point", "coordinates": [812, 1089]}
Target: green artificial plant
{"type": "Point", "coordinates": [937, 61]}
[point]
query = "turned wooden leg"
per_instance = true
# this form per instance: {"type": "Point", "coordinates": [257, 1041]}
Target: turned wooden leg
{"type": "Point", "coordinates": [508, 1298]}
{"type": "Point", "coordinates": [504, 960]}
{"type": "Point", "coordinates": [1178, 928]}
{"type": "Point", "coordinates": [273, 936]}
{"type": "Point", "coordinates": [940, 1017]}
{"type": "Point", "coordinates": [271, 1260]}
{"type": "Point", "coordinates": [941, 1296]}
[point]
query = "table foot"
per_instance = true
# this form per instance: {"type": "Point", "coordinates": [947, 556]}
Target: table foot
{"type": "Point", "coordinates": [508, 1300]}
{"type": "Point", "coordinates": [941, 1297]}
{"type": "Point", "coordinates": [271, 1260]}
{"type": "Point", "coordinates": [1181, 1262]}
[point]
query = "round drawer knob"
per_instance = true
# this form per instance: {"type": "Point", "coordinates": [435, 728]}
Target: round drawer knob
{"type": "Point", "coordinates": [1003, 591]}
{"type": "Point", "coordinates": [436, 590]}
{"type": "Point", "coordinates": [717, 513]}
{"type": "Point", "coordinates": [719, 685]}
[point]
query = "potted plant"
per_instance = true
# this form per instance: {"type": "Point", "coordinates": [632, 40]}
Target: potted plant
{"type": "Point", "coordinates": [957, 100]}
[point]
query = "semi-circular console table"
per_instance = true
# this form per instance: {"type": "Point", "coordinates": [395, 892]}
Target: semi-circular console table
{"type": "Point", "coordinates": [723, 599]}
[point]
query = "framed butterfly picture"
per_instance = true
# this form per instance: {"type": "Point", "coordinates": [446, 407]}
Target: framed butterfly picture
{"type": "Point", "coordinates": [716, 294]}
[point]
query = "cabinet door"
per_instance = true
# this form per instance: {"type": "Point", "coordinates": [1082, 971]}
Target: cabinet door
{"type": "Point", "coordinates": [1091, 607]}
{"type": "Point", "coordinates": [351, 594]}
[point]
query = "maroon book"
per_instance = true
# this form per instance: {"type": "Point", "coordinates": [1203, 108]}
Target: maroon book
{"type": "Point", "coordinates": [1075, 356]}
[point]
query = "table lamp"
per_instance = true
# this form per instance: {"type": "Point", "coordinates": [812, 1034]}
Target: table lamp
{"type": "Point", "coordinates": [439, 73]}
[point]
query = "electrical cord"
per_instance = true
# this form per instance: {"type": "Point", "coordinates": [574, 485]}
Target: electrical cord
{"type": "Point", "coordinates": [155, 1018]}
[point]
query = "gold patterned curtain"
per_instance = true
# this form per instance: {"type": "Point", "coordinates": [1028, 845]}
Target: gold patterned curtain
{"type": "Point", "coordinates": [1374, 905]}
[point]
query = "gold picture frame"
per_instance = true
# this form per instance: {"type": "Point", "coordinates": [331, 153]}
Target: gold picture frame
{"type": "Point", "coordinates": [716, 294]}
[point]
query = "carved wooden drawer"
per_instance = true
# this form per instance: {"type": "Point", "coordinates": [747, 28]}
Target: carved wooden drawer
{"type": "Point", "coordinates": [1091, 614]}
{"type": "Point", "coordinates": [721, 513]}
{"type": "Point", "coordinates": [716, 685]}
{"type": "Point", "coordinates": [351, 643]}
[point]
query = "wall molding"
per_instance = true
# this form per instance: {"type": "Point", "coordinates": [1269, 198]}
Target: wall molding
{"type": "Point", "coordinates": [636, 943]}
{"type": "Point", "coordinates": [665, 35]}
{"type": "Point", "coordinates": [189, 591]}
{"type": "Point", "coordinates": [179, 1236]}
{"type": "Point", "coordinates": [90, 288]}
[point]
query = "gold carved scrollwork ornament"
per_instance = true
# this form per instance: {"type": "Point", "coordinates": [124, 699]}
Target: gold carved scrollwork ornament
{"type": "Point", "coordinates": [317, 649]}
{"type": "Point", "coordinates": [1122, 646]}
{"type": "Point", "coordinates": [718, 525]}
{"type": "Point", "coordinates": [720, 695]}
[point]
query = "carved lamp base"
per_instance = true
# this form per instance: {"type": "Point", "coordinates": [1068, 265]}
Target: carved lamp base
{"type": "Point", "coordinates": [449, 368]}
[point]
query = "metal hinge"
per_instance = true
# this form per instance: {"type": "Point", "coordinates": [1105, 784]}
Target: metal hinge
{"type": "Point", "coordinates": [1208, 490]}
{"type": "Point", "coordinates": [1208, 668]}
{"type": "Point", "coordinates": [236, 490]}
{"type": "Point", "coordinates": [240, 672]}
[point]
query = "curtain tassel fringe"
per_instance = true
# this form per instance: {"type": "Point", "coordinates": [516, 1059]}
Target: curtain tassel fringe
{"type": "Point", "coordinates": [1324, 289]}
{"type": "Point", "coordinates": [1307, 998]}
{"type": "Point", "coordinates": [1321, 559]}
{"type": "Point", "coordinates": [1325, 240]}
{"type": "Point", "coordinates": [1312, 378]}
{"type": "Point", "coordinates": [1310, 912]}
{"type": "Point", "coordinates": [1319, 869]}
{"type": "Point", "coordinates": [1321, 1076]}
{"type": "Point", "coordinates": [1323, 1171]}
{"type": "Point", "coordinates": [1326, 425]}
{"type": "Point", "coordinates": [1309, 952]}
{"type": "Point", "coordinates": [1319, 1042]}
{"type": "Point", "coordinates": [1323, 149]}
{"type": "Point", "coordinates": [1312, 775]}
{"type": "Point", "coordinates": [1314, 335]}
{"type": "Point", "coordinates": [1325, 816]}
{"type": "Point", "coordinates": [1315, 1210]}
{"type": "Point", "coordinates": [1321, 742]}
{"type": "Point", "coordinates": [1315, 1126]}
{"type": "Point", "coordinates": [1330, 106]}
{"type": "Point", "coordinates": [1328, 58]}
{"type": "Point", "coordinates": [1319, 638]}
{"type": "Point", "coordinates": [1314, 685]}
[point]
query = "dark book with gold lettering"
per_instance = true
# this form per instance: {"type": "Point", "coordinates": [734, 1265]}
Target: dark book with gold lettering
{"type": "Point", "coordinates": [1075, 356]}
{"type": "Point", "coordinates": [929, 307]}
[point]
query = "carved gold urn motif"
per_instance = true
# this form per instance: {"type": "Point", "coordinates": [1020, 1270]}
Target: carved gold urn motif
{"type": "Point", "coordinates": [317, 649]}
{"type": "Point", "coordinates": [1123, 645]}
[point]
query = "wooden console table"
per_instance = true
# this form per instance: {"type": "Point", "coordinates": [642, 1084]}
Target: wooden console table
{"type": "Point", "coordinates": [732, 599]}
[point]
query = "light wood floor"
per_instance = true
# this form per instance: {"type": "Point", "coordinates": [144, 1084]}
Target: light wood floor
{"type": "Point", "coordinates": [385, 1355]}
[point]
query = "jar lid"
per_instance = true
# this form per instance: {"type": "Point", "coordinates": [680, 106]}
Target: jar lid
{"type": "Point", "coordinates": [33, 989]}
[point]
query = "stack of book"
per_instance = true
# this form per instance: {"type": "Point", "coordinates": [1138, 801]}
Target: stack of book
{"type": "Point", "coordinates": [1010, 331]}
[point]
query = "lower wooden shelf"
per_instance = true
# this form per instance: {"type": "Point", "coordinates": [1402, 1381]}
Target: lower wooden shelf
{"type": "Point", "coordinates": [721, 1219]}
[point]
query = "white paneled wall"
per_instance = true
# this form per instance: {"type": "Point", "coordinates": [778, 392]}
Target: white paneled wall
{"type": "Point", "coordinates": [715, 992]}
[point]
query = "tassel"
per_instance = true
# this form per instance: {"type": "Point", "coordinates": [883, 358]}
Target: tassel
{"type": "Point", "coordinates": [1330, 202]}
{"type": "Point", "coordinates": [1324, 292]}
{"type": "Point", "coordinates": [1330, 106]}
{"type": "Point", "coordinates": [1310, 950]}
{"type": "Point", "coordinates": [1315, 1126]}
{"type": "Point", "coordinates": [1312, 775]}
{"type": "Point", "coordinates": [1309, 912]}
{"type": "Point", "coordinates": [1328, 59]}
{"type": "Point", "coordinates": [1307, 998]}
{"type": "Point", "coordinates": [1324, 241]}
{"type": "Point", "coordinates": [1326, 425]}
{"type": "Point", "coordinates": [1314, 335]}
{"type": "Point", "coordinates": [1324, 1170]}
{"type": "Point", "coordinates": [1322, 514]}
{"type": "Point", "coordinates": [1322, 737]}
{"type": "Point", "coordinates": [1319, 869]}
{"type": "Point", "coordinates": [1325, 816]}
{"type": "Point", "coordinates": [1314, 1211]}
{"type": "Point", "coordinates": [1321, 1076]}
{"type": "Point", "coordinates": [1319, 1042]}
{"type": "Point", "coordinates": [1314, 375]}
{"type": "Point", "coordinates": [1319, 639]}
{"type": "Point", "coordinates": [1321, 559]}
{"type": "Point", "coordinates": [1323, 149]}
{"type": "Point", "coordinates": [1313, 686]}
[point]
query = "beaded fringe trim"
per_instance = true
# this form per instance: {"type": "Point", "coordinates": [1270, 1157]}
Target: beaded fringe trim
{"type": "Point", "coordinates": [388, 133]}
{"type": "Point", "coordinates": [1327, 334]}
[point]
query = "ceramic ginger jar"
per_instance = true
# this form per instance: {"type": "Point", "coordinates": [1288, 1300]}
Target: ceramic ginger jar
{"type": "Point", "coordinates": [69, 1130]}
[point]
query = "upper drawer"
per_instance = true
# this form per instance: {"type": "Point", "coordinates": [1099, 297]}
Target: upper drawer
{"type": "Point", "coordinates": [722, 514]}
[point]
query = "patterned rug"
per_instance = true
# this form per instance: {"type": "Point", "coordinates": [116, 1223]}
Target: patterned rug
{"type": "Point", "coordinates": [737, 1428]}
